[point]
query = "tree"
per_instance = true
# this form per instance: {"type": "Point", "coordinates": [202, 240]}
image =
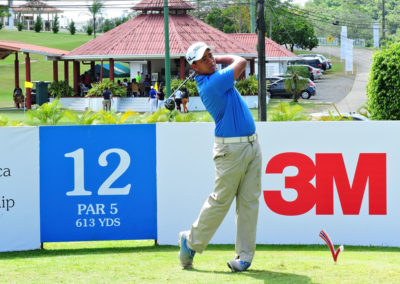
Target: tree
{"type": "Point", "coordinates": [292, 30]}
{"type": "Point", "coordinates": [72, 28]}
{"type": "Point", "coordinates": [108, 25]}
{"type": "Point", "coordinates": [38, 26]}
{"type": "Point", "coordinates": [56, 25]}
{"type": "Point", "coordinates": [219, 20]}
{"type": "Point", "coordinates": [89, 30]}
{"type": "Point", "coordinates": [94, 10]}
{"type": "Point", "coordinates": [3, 13]}
{"type": "Point", "coordinates": [297, 81]}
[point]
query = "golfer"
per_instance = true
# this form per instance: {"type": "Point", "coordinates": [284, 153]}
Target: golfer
{"type": "Point", "coordinates": [237, 158]}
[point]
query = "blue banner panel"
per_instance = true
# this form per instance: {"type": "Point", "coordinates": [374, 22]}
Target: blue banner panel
{"type": "Point", "coordinates": [98, 182]}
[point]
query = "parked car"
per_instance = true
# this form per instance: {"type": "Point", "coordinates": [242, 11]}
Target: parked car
{"type": "Point", "coordinates": [276, 87]}
{"type": "Point", "coordinates": [315, 73]}
{"type": "Point", "coordinates": [323, 59]}
{"type": "Point", "coordinates": [312, 61]}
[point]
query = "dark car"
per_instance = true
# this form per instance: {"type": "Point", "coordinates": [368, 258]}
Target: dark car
{"type": "Point", "coordinates": [276, 87]}
{"type": "Point", "coordinates": [324, 60]}
{"type": "Point", "coordinates": [312, 61]}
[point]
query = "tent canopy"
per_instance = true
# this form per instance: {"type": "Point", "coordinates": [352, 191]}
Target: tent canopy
{"type": "Point", "coordinates": [120, 71]}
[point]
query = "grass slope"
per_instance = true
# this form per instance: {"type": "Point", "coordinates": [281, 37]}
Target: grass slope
{"type": "Point", "coordinates": [142, 262]}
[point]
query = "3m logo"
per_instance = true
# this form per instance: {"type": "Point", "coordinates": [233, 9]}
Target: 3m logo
{"type": "Point", "coordinates": [327, 170]}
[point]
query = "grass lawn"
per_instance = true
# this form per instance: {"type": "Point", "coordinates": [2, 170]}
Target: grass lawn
{"type": "Point", "coordinates": [142, 262]}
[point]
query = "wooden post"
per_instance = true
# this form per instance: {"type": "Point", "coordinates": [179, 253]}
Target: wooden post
{"type": "Point", "coordinates": [252, 66]}
{"type": "Point", "coordinates": [149, 68]}
{"type": "Point", "coordinates": [182, 67]}
{"type": "Point", "coordinates": [16, 70]}
{"type": "Point", "coordinates": [55, 71]}
{"type": "Point", "coordinates": [66, 71]}
{"type": "Point", "coordinates": [28, 78]}
{"type": "Point", "coordinates": [76, 77]}
{"type": "Point", "coordinates": [111, 69]}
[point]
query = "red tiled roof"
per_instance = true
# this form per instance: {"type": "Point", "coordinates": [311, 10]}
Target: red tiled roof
{"type": "Point", "coordinates": [36, 7]}
{"type": "Point", "coordinates": [143, 38]}
{"type": "Point", "coordinates": [7, 47]}
{"type": "Point", "coordinates": [159, 5]}
{"type": "Point", "coordinates": [272, 49]}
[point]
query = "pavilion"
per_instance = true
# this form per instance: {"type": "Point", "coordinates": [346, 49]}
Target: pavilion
{"type": "Point", "coordinates": [140, 41]}
{"type": "Point", "coordinates": [12, 47]}
{"type": "Point", "coordinates": [26, 14]}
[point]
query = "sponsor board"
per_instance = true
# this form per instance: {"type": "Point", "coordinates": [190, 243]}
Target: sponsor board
{"type": "Point", "coordinates": [98, 182]}
{"type": "Point", "coordinates": [19, 188]}
{"type": "Point", "coordinates": [338, 176]}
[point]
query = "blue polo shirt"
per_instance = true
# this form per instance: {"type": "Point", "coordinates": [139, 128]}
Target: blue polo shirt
{"type": "Point", "coordinates": [224, 103]}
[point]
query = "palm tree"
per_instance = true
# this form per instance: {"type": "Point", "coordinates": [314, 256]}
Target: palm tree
{"type": "Point", "coordinates": [94, 10]}
{"type": "Point", "coordinates": [297, 81]}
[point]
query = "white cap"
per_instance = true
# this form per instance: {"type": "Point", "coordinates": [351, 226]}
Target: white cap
{"type": "Point", "coordinates": [151, 87]}
{"type": "Point", "coordinates": [196, 51]}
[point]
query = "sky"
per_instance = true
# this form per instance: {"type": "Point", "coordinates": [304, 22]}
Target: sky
{"type": "Point", "coordinates": [77, 10]}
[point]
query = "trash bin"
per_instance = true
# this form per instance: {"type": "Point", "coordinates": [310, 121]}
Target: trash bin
{"type": "Point", "coordinates": [42, 93]}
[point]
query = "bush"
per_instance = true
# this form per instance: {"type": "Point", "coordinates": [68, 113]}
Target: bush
{"type": "Point", "coordinates": [20, 26]}
{"type": "Point", "coordinates": [72, 28]}
{"type": "Point", "coordinates": [98, 89]}
{"type": "Point", "coordinates": [384, 84]}
{"type": "Point", "coordinates": [61, 89]}
{"type": "Point", "coordinates": [89, 30]}
{"type": "Point", "coordinates": [56, 25]}
{"type": "Point", "coordinates": [38, 26]}
{"type": "Point", "coordinates": [1, 25]}
{"type": "Point", "coordinates": [248, 86]}
{"type": "Point", "coordinates": [190, 85]}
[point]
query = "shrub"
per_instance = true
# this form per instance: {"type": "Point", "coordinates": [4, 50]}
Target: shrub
{"type": "Point", "coordinates": [89, 30]}
{"type": "Point", "coordinates": [56, 25]}
{"type": "Point", "coordinates": [248, 86]}
{"type": "Point", "coordinates": [1, 25]}
{"type": "Point", "coordinates": [98, 89]}
{"type": "Point", "coordinates": [190, 85]}
{"type": "Point", "coordinates": [72, 28]}
{"type": "Point", "coordinates": [20, 26]}
{"type": "Point", "coordinates": [61, 89]}
{"type": "Point", "coordinates": [38, 26]}
{"type": "Point", "coordinates": [384, 84]}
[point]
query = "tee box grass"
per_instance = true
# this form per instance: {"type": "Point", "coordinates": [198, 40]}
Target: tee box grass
{"type": "Point", "coordinates": [143, 262]}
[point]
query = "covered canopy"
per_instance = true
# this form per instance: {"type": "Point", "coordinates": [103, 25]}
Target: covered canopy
{"type": "Point", "coordinates": [120, 71]}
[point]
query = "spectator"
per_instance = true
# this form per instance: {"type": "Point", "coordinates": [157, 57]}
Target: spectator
{"type": "Point", "coordinates": [160, 97]}
{"type": "Point", "coordinates": [107, 97]}
{"type": "Point", "coordinates": [138, 77]}
{"type": "Point", "coordinates": [18, 97]}
{"type": "Point", "coordinates": [119, 83]}
{"type": "Point", "coordinates": [185, 99]}
{"type": "Point", "coordinates": [135, 88]}
{"type": "Point", "coordinates": [152, 99]}
{"type": "Point", "coordinates": [125, 83]}
{"type": "Point", "coordinates": [84, 89]}
{"type": "Point", "coordinates": [178, 99]}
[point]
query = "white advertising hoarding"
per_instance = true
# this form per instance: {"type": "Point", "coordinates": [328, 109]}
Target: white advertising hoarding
{"type": "Point", "coordinates": [19, 188]}
{"type": "Point", "coordinates": [338, 176]}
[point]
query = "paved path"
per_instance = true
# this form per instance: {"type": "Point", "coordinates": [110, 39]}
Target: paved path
{"type": "Point", "coordinates": [357, 96]}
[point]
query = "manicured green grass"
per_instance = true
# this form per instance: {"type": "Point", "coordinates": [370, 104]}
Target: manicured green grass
{"type": "Point", "coordinates": [142, 262]}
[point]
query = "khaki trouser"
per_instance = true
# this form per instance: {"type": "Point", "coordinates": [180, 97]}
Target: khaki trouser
{"type": "Point", "coordinates": [238, 174]}
{"type": "Point", "coordinates": [106, 105]}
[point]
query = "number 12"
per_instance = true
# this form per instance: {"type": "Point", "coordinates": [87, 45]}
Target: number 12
{"type": "Point", "coordinates": [104, 189]}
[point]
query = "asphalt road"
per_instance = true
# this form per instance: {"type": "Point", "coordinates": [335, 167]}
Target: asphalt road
{"type": "Point", "coordinates": [347, 91]}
